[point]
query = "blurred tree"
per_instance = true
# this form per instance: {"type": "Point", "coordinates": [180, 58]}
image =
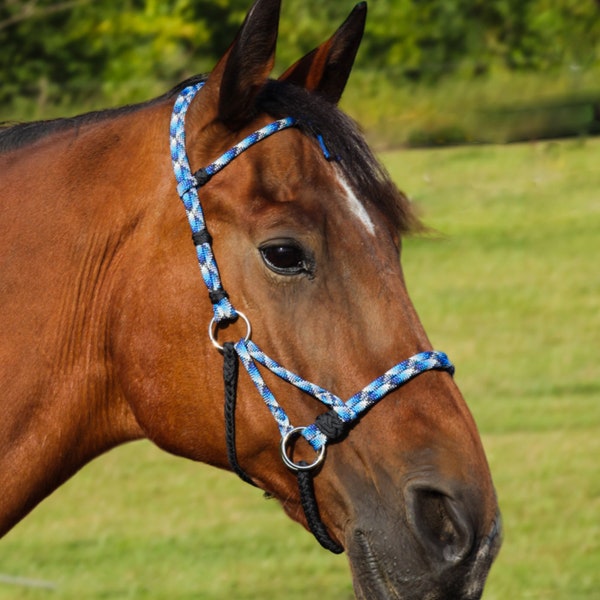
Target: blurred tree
{"type": "Point", "coordinates": [73, 50]}
{"type": "Point", "coordinates": [570, 30]}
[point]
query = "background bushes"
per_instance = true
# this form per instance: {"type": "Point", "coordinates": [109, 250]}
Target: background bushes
{"type": "Point", "coordinates": [462, 70]}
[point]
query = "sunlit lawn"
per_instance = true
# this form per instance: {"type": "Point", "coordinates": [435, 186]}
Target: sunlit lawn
{"type": "Point", "coordinates": [510, 288]}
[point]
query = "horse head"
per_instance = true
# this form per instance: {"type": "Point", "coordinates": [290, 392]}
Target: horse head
{"type": "Point", "coordinates": [306, 229]}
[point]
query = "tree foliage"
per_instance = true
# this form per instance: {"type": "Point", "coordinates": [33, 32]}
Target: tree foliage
{"type": "Point", "coordinates": [70, 50]}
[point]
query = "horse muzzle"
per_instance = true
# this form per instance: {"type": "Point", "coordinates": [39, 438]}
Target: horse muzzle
{"type": "Point", "coordinates": [434, 552]}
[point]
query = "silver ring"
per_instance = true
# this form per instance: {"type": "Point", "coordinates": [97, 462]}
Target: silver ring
{"type": "Point", "coordinates": [289, 462]}
{"type": "Point", "coordinates": [214, 325]}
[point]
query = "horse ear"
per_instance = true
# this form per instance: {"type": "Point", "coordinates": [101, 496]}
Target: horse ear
{"type": "Point", "coordinates": [326, 69]}
{"type": "Point", "coordinates": [245, 67]}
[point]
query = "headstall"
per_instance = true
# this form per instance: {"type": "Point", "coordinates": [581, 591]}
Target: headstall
{"type": "Point", "coordinates": [330, 426]}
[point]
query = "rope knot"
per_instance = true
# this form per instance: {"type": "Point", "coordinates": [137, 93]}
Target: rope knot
{"type": "Point", "coordinates": [217, 295]}
{"type": "Point", "coordinates": [202, 237]}
{"type": "Point", "coordinates": [331, 426]}
{"type": "Point", "coordinates": [201, 177]}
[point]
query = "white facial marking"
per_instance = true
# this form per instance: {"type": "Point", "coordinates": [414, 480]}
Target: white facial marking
{"type": "Point", "coordinates": [356, 206]}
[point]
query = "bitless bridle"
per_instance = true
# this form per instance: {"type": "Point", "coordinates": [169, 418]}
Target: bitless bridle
{"type": "Point", "coordinates": [330, 426]}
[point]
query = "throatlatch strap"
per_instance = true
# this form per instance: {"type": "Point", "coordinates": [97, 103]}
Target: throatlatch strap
{"type": "Point", "coordinates": [230, 378]}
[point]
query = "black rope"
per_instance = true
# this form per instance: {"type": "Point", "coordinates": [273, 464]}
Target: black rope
{"type": "Point", "coordinates": [331, 426]}
{"type": "Point", "coordinates": [311, 510]}
{"type": "Point", "coordinates": [230, 377]}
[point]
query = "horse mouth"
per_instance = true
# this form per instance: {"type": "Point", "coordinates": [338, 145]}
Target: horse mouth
{"type": "Point", "coordinates": [374, 581]}
{"type": "Point", "coordinates": [403, 578]}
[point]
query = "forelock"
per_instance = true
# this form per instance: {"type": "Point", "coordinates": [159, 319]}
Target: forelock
{"type": "Point", "coordinates": [342, 137]}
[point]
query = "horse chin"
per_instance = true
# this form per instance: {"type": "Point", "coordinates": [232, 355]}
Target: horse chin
{"type": "Point", "coordinates": [380, 574]}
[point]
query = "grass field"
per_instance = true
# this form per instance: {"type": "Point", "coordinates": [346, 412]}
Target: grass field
{"type": "Point", "coordinates": [510, 288]}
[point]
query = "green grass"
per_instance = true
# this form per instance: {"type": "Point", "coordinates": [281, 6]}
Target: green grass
{"type": "Point", "coordinates": [510, 288]}
{"type": "Point", "coordinates": [138, 523]}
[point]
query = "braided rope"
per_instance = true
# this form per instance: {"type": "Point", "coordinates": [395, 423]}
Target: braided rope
{"type": "Point", "coordinates": [187, 184]}
{"type": "Point", "coordinates": [230, 378]}
{"type": "Point", "coordinates": [186, 187]}
{"type": "Point", "coordinates": [392, 379]}
{"type": "Point", "coordinates": [347, 411]}
{"type": "Point", "coordinates": [202, 176]}
{"type": "Point", "coordinates": [311, 511]}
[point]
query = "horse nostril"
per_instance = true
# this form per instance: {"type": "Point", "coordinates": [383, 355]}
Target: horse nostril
{"type": "Point", "coordinates": [441, 525]}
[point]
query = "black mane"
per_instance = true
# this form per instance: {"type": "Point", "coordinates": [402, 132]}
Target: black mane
{"type": "Point", "coordinates": [316, 116]}
{"type": "Point", "coordinates": [13, 137]}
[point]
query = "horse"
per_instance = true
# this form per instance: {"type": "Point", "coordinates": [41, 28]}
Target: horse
{"type": "Point", "coordinates": [296, 230]}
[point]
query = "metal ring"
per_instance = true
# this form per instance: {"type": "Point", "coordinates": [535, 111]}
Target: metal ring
{"type": "Point", "coordinates": [214, 324]}
{"type": "Point", "coordinates": [289, 462]}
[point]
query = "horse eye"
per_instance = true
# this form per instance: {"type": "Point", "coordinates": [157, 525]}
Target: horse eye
{"type": "Point", "coordinates": [285, 258]}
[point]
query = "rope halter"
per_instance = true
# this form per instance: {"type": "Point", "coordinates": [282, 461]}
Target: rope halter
{"type": "Point", "coordinates": [330, 426]}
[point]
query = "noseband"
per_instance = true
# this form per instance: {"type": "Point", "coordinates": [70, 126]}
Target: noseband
{"type": "Point", "coordinates": [330, 426]}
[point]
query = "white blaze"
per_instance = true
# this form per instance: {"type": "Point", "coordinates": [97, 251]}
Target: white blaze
{"type": "Point", "coordinates": [356, 206]}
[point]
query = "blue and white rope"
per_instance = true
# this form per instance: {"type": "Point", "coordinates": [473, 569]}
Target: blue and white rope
{"type": "Point", "coordinates": [347, 411]}
{"type": "Point", "coordinates": [186, 186]}
{"type": "Point", "coordinates": [392, 379]}
{"type": "Point", "coordinates": [242, 146]}
{"type": "Point", "coordinates": [248, 351]}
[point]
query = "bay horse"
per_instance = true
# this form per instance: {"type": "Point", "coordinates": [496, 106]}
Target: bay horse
{"type": "Point", "coordinates": [104, 315]}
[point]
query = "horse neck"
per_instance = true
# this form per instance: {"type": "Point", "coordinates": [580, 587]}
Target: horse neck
{"type": "Point", "coordinates": [66, 237]}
